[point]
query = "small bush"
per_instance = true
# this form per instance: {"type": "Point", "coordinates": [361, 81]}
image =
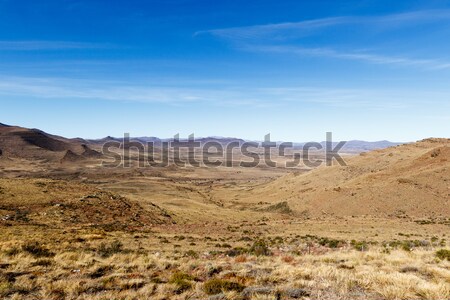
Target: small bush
{"type": "Point", "coordinates": [177, 276]}
{"type": "Point", "coordinates": [21, 215]}
{"type": "Point", "coordinates": [360, 246]}
{"type": "Point", "coordinates": [259, 248]}
{"type": "Point", "coordinates": [191, 253]}
{"type": "Point", "coordinates": [236, 251]}
{"type": "Point", "coordinates": [217, 286]}
{"type": "Point", "coordinates": [181, 281]}
{"type": "Point", "coordinates": [330, 243]}
{"type": "Point", "coordinates": [406, 246]}
{"type": "Point", "coordinates": [443, 254]}
{"type": "Point", "coordinates": [37, 250]}
{"type": "Point", "coordinates": [106, 251]}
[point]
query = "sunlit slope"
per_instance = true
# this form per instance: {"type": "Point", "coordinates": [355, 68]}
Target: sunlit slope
{"type": "Point", "coordinates": [411, 179]}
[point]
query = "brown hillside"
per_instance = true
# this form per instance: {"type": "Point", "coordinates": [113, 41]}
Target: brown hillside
{"type": "Point", "coordinates": [411, 179]}
{"type": "Point", "coordinates": [90, 153]}
{"type": "Point", "coordinates": [18, 142]}
{"type": "Point", "coordinates": [70, 156]}
{"type": "Point", "coordinates": [60, 203]}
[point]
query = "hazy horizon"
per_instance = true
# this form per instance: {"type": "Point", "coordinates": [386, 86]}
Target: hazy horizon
{"type": "Point", "coordinates": [296, 69]}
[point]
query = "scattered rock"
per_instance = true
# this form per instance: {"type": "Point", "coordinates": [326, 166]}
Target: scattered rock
{"type": "Point", "coordinates": [435, 153]}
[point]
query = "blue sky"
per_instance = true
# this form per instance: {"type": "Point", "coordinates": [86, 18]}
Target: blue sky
{"type": "Point", "coordinates": [370, 70]}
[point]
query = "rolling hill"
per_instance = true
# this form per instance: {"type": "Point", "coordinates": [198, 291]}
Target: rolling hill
{"type": "Point", "coordinates": [34, 144]}
{"type": "Point", "coordinates": [406, 180]}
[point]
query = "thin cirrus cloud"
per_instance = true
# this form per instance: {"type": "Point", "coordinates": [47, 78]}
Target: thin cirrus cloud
{"type": "Point", "coordinates": [228, 95]}
{"type": "Point", "coordinates": [431, 64]}
{"type": "Point", "coordinates": [292, 29]}
{"type": "Point", "coordinates": [48, 45]}
{"type": "Point", "coordinates": [267, 38]}
{"type": "Point", "coordinates": [264, 31]}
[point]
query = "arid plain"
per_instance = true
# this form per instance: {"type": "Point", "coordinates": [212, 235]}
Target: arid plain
{"type": "Point", "coordinates": [376, 228]}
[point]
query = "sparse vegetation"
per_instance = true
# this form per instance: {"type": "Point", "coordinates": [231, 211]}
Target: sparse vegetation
{"type": "Point", "coordinates": [260, 248]}
{"type": "Point", "coordinates": [216, 286]}
{"type": "Point", "coordinates": [181, 281]}
{"type": "Point", "coordinates": [443, 254]}
{"type": "Point", "coordinates": [61, 239]}
{"type": "Point", "coordinates": [107, 250]}
{"type": "Point", "coordinates": [360, 245]}
{"type": "Point", "coordinates": [36, 249]}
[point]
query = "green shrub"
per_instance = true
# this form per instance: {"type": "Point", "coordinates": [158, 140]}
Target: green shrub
{"type": "Point", "coordinates": [360, 246]}
{"type": "Point", "coordinates": [217, 286]}
{"type": "Point", "coordinates": [330, 243]}
{"type": "Point", "coordinates": [443, 254]}
{"type": "Point", "coordinates": [181, 281]}
{"type": "Point", "coordinates": [406, 246]}
{"type": "Point", "coordinates": [177, 276]}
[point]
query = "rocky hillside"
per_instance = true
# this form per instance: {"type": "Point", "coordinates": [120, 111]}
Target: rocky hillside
{"type": "Point", "coordinates": [62, 204]}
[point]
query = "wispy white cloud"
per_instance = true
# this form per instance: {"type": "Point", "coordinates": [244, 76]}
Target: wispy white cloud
{"type": "Point", "coordinates": [264, 31]}
{"type": "Point", "coordinates": [359, 56]}
{"type": "Point", "coordinates": [275, 38]}
{"type": "Point", "coordinates": [301, 28]}
{"type": "Point", "coordinates": [227, 95]}
{"type": "Point", "coordinates": [48, 45]}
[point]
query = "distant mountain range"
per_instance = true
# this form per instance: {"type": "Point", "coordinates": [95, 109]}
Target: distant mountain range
{"type": "Point", "coordinates": [28, 143]}
{"type": "Point", "coordinates": [356, 146]}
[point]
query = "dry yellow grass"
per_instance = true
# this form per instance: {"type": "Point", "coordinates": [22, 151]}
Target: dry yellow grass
{"type": "Point", "coordinates": [133, 272]}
